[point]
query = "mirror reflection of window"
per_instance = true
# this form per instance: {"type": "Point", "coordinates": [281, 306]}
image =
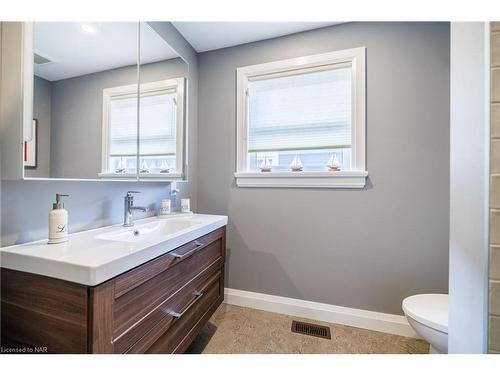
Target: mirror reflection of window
{"type": "Point", "coordinates": [160, 118]}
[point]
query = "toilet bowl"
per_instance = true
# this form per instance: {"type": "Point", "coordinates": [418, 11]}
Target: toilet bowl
{"type": "Point", "coordinates": [428, 315]}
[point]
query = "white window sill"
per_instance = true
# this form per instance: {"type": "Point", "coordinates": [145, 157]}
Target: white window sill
{"type": "Point", "coordinates": [145, 176]}
{"type": "Point", "coordinates": [330, 180]}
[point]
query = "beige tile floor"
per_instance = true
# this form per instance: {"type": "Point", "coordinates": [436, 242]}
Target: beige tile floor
{"type": "Point", "coordinates": [240, 330]}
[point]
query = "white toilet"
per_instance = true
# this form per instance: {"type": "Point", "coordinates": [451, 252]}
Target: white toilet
{"type": "Point", "coordinates": [428, 315]}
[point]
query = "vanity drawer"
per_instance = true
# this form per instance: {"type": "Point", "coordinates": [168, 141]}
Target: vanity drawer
{"type": "Point", "coordinates": [193, 300]}
{"type": "Point", "coordinates": [157, 281]}
{"type": "Point", "coordinates": [141, 274]}
{"type": "Point", "coordinates": [183, 331]}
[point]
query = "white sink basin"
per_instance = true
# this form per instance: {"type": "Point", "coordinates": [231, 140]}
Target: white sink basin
{"type": "Point", "coordinates": [142, 232]}
{"type": "Point", "coordinates": [97, 255]}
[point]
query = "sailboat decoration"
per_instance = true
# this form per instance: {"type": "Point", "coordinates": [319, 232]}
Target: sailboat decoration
{"type": "Point", "coordinates": [121, 166]}
{"type": "Point", "coordinates": [144, 167]}
{"type": "Point", "coordinates": [164, 167]}
{"type": "Point", "coordinates": [296, 165]}
{"type": "Point", "coordinates": [264, 166]}
{"type": "Point", "coordinates": [333, 163]}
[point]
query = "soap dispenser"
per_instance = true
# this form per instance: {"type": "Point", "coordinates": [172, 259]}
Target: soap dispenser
{"type": "Point", "coordinates": [58, 221]}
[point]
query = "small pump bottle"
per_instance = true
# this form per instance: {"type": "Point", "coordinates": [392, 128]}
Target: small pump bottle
{"type": "Point", "coordinates": [58, 221]}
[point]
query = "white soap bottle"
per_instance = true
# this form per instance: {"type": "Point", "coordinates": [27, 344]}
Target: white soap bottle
{"type": "Point", "coordinates": [58, 221]}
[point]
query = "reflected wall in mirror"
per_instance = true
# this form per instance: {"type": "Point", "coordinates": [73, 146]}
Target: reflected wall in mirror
{"type": "Point", "coordinates": [86, 100]}
{"type": "Point", "coordinates": [162, 111]}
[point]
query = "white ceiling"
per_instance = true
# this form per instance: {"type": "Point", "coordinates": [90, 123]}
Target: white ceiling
{"type": "Point", "coordinates": [107, 45]}
{"type": "Point", "coordinates": [207, 36]}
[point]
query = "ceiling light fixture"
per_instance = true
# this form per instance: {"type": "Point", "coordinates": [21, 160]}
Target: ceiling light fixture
{"type": "Point", "coordinates": [87, 28]}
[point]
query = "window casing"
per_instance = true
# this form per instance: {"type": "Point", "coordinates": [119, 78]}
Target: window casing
{"type": "Point", "coordinates": [312, 107]}
{"type": "Point", "coordinates": [161, 130]}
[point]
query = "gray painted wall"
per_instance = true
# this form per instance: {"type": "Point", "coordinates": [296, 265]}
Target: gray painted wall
{"type": "Point", "coordinates": [77, 115]}
{"type": "Point", "coordinates": [468, 189]}
{"type": "Point", "coordinates": [42, 95]}
{"type": "Point", "coordinates": [26, 205]}
{"type": "Point", "coordinates": [365, 249]}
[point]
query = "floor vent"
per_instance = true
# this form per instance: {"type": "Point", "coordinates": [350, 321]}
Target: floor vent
{"type": "Point", "coordinates": [311, 329]}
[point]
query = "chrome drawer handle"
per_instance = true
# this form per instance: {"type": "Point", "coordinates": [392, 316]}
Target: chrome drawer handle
{"type": "Point", "coordinates": [179, 315]}
{"type": "Point", "coordinates": [197, 245]}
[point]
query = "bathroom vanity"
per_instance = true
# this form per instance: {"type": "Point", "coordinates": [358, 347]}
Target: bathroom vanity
{"type": "Point", "coordinates": [145, 289]}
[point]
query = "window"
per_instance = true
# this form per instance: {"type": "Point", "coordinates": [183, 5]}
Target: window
{"type": "Point", "coordinates": [302, 113]}
{"type": "Point", "coordinates": [161, 130]}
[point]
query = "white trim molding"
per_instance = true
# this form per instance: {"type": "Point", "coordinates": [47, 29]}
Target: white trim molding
{"type": "Point", "coordinates": [354, 58]}
{"type": "Point", "coordinates": [145, 176]}
{"type": "Point", "coordinates": [340, 179]}
{"type": "Point", "coordinates": [375, 321]}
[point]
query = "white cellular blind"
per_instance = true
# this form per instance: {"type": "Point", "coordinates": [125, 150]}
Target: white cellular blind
{"type": "Point", "coordinates": [311, 110]}
{"type": "Point", "coordinates": [157, 124]}
{"type": "Point", "coordinates": [123, 126]}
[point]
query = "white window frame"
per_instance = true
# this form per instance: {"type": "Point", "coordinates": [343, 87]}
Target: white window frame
{"type": "Point", "coordinates": [107, 94]}
{"type": "Point", "coordinates": [355, 178]}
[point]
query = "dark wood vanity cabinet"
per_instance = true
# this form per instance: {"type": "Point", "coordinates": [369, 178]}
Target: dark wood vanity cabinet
{"type": "Point", "coordinates": [157, 307]}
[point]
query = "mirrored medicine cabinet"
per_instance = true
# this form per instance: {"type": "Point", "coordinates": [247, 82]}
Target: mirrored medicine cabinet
{"type": "Point", "coordinates": [101, 101]}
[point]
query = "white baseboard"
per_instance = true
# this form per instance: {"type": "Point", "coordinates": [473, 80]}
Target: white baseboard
{"type": "Point", "coordinates": [376, 321]}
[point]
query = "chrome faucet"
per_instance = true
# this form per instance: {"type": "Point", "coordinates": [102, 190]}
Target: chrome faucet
{"type": "Point", "coordinates": [128, 217]}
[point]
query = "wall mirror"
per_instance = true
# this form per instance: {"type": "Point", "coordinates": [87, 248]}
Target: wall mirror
{"type": "Point", "coordinates": [108, 103]}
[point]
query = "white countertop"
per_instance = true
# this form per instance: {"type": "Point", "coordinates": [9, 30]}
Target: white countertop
{"type": "Point", "coordinates": [90, 260]}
